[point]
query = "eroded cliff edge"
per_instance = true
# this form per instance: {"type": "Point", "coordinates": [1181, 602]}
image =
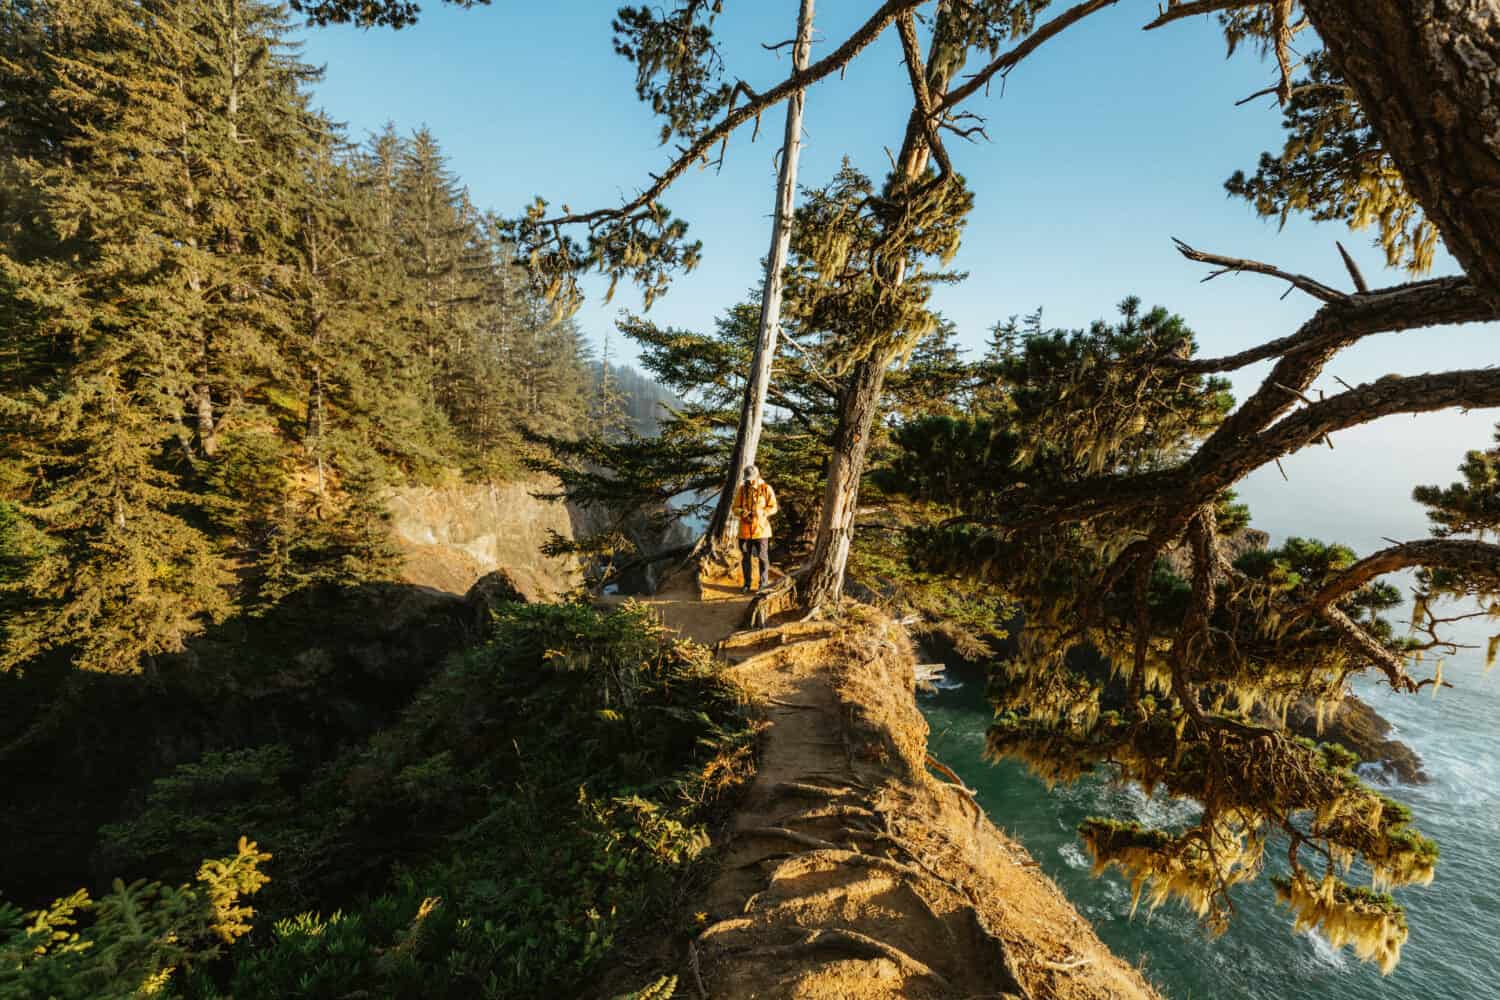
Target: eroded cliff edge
{"type": "Point", "coordinates": [849, 870]}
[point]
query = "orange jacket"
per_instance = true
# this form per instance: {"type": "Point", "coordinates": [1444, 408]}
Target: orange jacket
{"type": "Point", "coordinates": [754, 503]}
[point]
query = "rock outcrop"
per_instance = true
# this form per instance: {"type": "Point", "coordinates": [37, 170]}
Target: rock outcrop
{"type": "Point", "coordinates": [1359, 728]}
{"type": "Point", "coordinates": [1231, 547]}
{"type": "Point", "coordinates": [451, 536]}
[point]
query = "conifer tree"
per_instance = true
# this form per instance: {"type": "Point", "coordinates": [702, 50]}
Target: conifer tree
{"type": "Point", "coordinates": [333, 304]}
{"type": "Point", "coordinates": [227, 332]}
{"type": "Point", "coordinates": [1104, 452]}
{"type": "Point", "coordinates": [607, 412]}
{"type": "Point", "coordinates": [155, 295]}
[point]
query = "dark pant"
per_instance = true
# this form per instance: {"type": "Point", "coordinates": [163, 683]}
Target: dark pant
{"type": "Point", "coordinates": [756, 549]}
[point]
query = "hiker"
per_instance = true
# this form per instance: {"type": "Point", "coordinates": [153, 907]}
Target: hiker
{"type": "Point", "coordinates": [754, 503]}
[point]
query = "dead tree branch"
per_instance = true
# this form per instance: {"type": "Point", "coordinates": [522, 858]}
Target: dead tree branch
{"type": "Point", "coordinates": [916, 72]}
{"type": "Point", "coordinates": [1004, 63]}
{"type": "Point", "coordinates": [1177, 11]}
{"type": "Point", "coordinates": [1354, 272]}
{"type": "Point", "coordinates": [1227, 265]}
{"type": "Point", "coordinates": [835, 61]}
{"type": "Point", "coordinates": [1388, 310]}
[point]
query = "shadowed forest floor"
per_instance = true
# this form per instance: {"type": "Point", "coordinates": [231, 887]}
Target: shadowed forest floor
{"type": "Point", "coordinates": [849, 871]}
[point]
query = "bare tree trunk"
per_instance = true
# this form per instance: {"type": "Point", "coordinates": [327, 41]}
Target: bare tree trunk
{"type": "Point", "coordinates": [752, 409]}
{"type": "Point", "coordinates": [851, 439]}
{"type": "Point", "coordinates": [1426, 73]}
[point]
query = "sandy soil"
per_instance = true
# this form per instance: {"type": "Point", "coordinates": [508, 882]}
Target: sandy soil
{"type": "Point", "coordinates": [850, 870]}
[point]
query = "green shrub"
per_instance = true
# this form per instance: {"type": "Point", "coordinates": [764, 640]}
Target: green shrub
{"type": "Point", "coordinates": [539, 799]}
{"type": "Point", "coordinates": [129, 943]}
{"type": "Point", "coordinates": [200, 805]}
{"type": "Point", "coordinates": [543, 797]}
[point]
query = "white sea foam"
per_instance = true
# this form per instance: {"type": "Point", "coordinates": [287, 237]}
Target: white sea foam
{"type": "Point", "coordinates": [1074, 856]}
{"type": "Point", "coordinates": [1325, 953]}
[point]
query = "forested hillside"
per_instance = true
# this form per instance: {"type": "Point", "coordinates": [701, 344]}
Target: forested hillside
{"type": "Point", "coordinates": [229, 332]}
{"type": "Point", "coordinates": [227, 326]}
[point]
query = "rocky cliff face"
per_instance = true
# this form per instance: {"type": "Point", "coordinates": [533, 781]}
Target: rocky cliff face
{"type": "Point", "coordinates": [1231, 547]}
{"type": "Point", "coordinates": [452, 535]}
{"type": "Point", "coordinates": [1357, 726]}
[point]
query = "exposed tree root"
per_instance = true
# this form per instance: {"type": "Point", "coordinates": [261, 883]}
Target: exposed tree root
{"type": "Point", "coordinates": [856, 891]}
{"type": "Point", "coordinates": [726, 926]}
{"type": "Point", "coordinates": [793, 704]}
{"type": "Point", "coordinates": [836, 856]}
{"type": "Point", "coordinates": [781, 833]}
{"type": "Point", "coordinates": [780, 597]}
{"type": "Point", "coordinates": [948, 773]}
{"type": "Point", "coordinates": [1068, 966]}
{"type": "Point", "coordinates": [831, 812]}
{"type": "Point", "coordinates": [841, 779]}
{"type": "Point", "coordinates": [808, 791]}
{"type": "Point", "coordinates": [784, 634]}
{"type": "Point", "coordinates": [697, 972]}
{"type": "Point", "coordinates": [850, 943]}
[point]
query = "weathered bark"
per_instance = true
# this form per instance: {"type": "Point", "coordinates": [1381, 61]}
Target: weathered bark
{"type": "Point", "coordinates": [860, 398]}
{"type": "Point", "coordinates": [1467, 555]}
{"type": "Point", "coordinates": [1427, 75]}
{"type": "Point", "coordinates": [752, 410]}
{"type": "Point", "coordinates": [851, 440]}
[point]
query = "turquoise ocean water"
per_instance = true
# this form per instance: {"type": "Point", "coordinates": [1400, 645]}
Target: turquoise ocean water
{"type": "Point", "coordinates": [1454, 949]}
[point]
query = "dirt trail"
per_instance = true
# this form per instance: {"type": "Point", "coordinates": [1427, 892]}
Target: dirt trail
{"type": "Point", "coordinates": [850, 872]}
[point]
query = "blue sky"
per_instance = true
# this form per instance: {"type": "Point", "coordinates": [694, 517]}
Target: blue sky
{"type": "Point", "coordinates": [1106, 143]}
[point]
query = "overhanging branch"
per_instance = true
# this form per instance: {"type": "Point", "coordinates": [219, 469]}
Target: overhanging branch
{"type": "Point", "coordinates": [1471, 388]}
{"type": "Point", "coordinates": [1227, 265]}
{"type": "Point", "coordinates": [1178, 11]}
{"type": "Point", "coordinates": [698, 150]}
{"type": "Point", "coordinates": [1004, 63]}
{"type": "Point", "coordinates": [1402, 307]}
{"type": "Point", "coordinates": [1393, 666]}
{"type": "Point", "coordinates": [1447, 553]}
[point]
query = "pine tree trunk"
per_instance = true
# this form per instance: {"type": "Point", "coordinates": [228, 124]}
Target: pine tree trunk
{"type": "Point", "coordinates": [860, 399]}
{"type": "Point", "coordinates": [851, 439]}
{"type": "Point", "coordinates": [1426, 74]}
{"type": "Point", "coordinates": [208, 441]}
{"type": "Point", "coordinates": [203, 396]}
{"type": "Point", "coordinates": [313, 432]}
{"type": "Point", "coordinates": [752, 408]}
